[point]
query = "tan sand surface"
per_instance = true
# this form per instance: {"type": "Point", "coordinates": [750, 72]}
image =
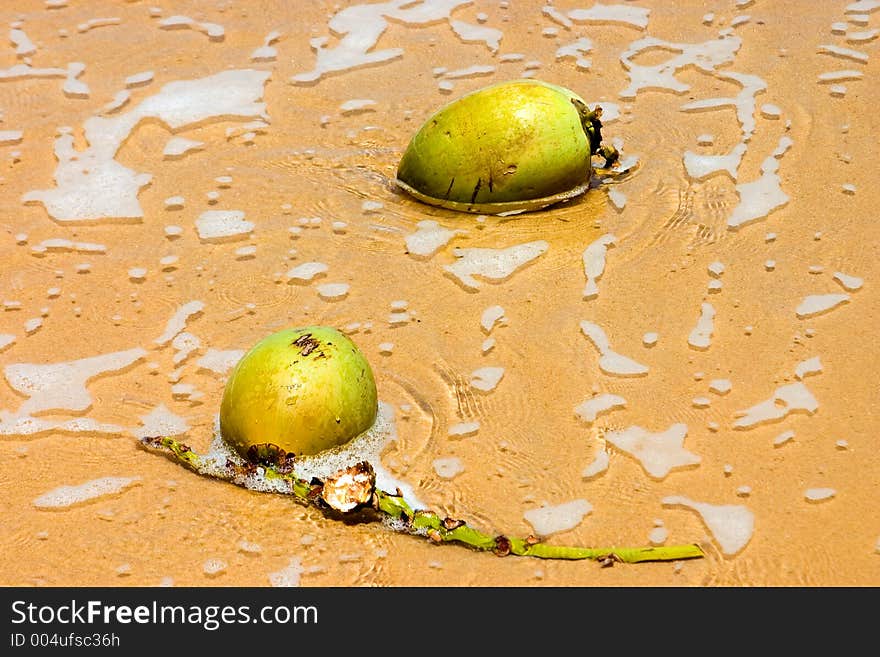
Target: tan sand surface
{"type": "Point", "coordinates": [310, 165]}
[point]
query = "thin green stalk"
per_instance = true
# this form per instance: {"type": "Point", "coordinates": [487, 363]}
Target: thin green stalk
{"type": "Point", "coordinates": [418, 522]}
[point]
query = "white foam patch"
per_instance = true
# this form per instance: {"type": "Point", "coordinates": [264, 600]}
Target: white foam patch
{"type": "Point", "coordinates": [68, 496]}
{"type": "Point", "coordinates": [842, 75]}
{"type": "Point", "coordinates": [492, 264]}
{"type": "Point", "coordinates": [843, 53]}
{"type": "Point", "coordinates": [267, 52]}
{"type": "Point", "coordinates": [185, 391]}
{"type": "Point", "coordinates": [463, 429]}
{"type": "Point", "coordinates": [399, 318]}
{"type": "Point", "coordinates": [731, 525]}
{"type": "Point", "coordinates": [17, 426]}
{"type": "Point", "coordinates": [597, 466]}
{"type": "Point", "coordinates": [357, 105]}
{"type": "Point", "coordinates": [590, 409]}
{"type": "Point", "coordinates": [429, 237]}
{"type": "Point", "coordinates": [850, 283]}
{"type": "Point", "coordinates": [700, 167]}
{"type": "Point", "coordinates": [770, 111]}
{"type": "Point", "coordinates": [610, 361]}
{"type": "Point", "coordinates": [700, 336]}
{"type": "Point", "coordinates": [621, 14]}
{"type": "Point", "coordinates": [92, 185]}
{"type": "Point", "coordinates": [223, 225]}
{"type": "Point", "coordinates": [214, 31]}
{"type": "Point", "coordinates": [357, 30]}
{"type": "Point", "coordinates": [807, 367]}
{"type": "Point", "coordinates": [658, 536]}
{"type": "Point", "coordinates": [213, 567]}
{"type": "Point", "coordinates": [470, 33]}
{"type": "Point", "coordinates": [333, 291]}
{"type": "Point", "coordinates": [548, 519]}
{"type": "Point", "coordinates": [62, 386]}
{"type": "Point", "coordinates": [247, 131]}
{"type": "Point", "coordinates": [6, 339]}
{"type": "Point", "coordinates": [306, 271]}
{"type": "Point", "coordinates": [184, 345]}
{"type": "Point", "coordinates": [474, 71]}
{"type": "Point", "coordinates": [71, 86]}
{"type": "Point", "coordinates": [594, 263]}
{"type": "Point", "coordinates": [249, 547]}
{"type": "Point", "coordinates": [61, 245]}
{"type": "Point", "coordinates": [139, 79]}
{"type": "Point", "coordinates": [862, 7]}
{"type": "Point", "coordinates": [744, 102]}
{"type": "Point", "coordinates": [448, 467]}
{"type": "Point", "coordinates": [557, 16]}
{"type": "Point", "coordinates": [576, 50]}
{"type": "Point", "coordinates": [659, 453]}
{"type": "Point", "coordinates": [93, 23]}
{"type": "Point", "coordinates": [783, 438]}
{"type": "Point", "coordinates": [760, 197]}
{"type": "Point", "coordinates": [10, 137]}
{"type": "Point", "coordinates": [862, 36]}
{"type": "Point", "coordinates": [785, 142]}
{"type": "Point", "coordinates": [179, 146]}
{"type": "Point", "coordinates": [32, 325]}
{"type": "Point", "coordinates": [178, 321]}
{"type": "Point", "coordinates": [288, 576]}
{"type": "Point", "coordinates": [819, 304]}
{"type": "Point", "coordinates": [617, 198]}
{"type": "Point", "coordinates": [220, 361]}
{"type": "Point", "coordinates": [819, 494]}
{"type": "Point", "coordinates": [789, 398]}
{"type": "Point", "coordinates": [246, 252]}
{"type": "Point", "coordinates": [161, 422]}
{"type": "Point", "coordinates": [491, 316]}
{"type": "Point", "coordinates": [487, 378]}
{"type": "Point", "coordinates": [705, 56]}
{"type": "Point", "coordinates": [24, 47]}
{"type": "Point", "coordinates": [120, 99]}
{"type": "Point", "coordinates": [720, 386]}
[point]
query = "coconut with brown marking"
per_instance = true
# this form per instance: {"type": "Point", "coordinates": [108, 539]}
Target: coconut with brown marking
{"type": "Point", "coordinates": [510, 147]}
{"type": "Point", "coordinates": [299, 390]}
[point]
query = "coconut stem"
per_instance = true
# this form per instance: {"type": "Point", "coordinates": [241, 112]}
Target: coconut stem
{"type": "Point", "coordinates": [417, 522]}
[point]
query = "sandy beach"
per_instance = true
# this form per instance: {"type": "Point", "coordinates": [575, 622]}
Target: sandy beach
{"type": "Point", "coordinates": [683, 354]}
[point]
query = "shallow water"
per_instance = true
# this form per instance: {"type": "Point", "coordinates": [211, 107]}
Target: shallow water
{"type": "Point", "coordinates": [685, 353]}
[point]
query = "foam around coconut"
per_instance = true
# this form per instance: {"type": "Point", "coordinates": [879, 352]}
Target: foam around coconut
{"type": "Point", "coordinates": [302, 390]}
{"type": "Point", "coordinates": [368, 446]}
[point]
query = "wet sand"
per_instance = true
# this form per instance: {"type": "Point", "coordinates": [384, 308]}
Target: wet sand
{"type": "Point", "coordinates": [752, 429]}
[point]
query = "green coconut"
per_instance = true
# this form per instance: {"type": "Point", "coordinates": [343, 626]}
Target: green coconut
{"type": "Point", "coordinates": [509, 147]}
{"type": "Point", "coordinates": [300, 390]}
